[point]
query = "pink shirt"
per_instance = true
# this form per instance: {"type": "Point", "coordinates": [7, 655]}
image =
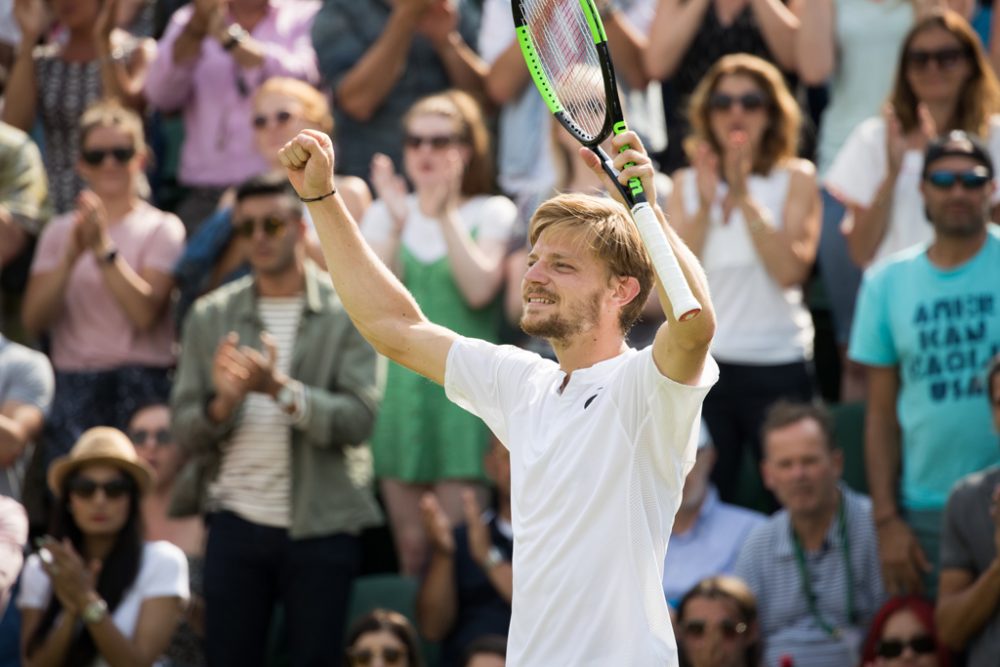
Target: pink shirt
{"type": "Point", "coordinates": [215, 93]}
{"type": "Point", "coordinates": [93, 332]}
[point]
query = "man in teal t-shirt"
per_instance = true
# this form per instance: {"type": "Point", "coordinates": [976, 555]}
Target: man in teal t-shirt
{"type": "Point", "coordinates": [926, 325]}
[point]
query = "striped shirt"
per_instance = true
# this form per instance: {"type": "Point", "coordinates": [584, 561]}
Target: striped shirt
{"type": "Point", "coordinates": [255, 477]}
{"type": "Point", "coordinates": [767, 563]}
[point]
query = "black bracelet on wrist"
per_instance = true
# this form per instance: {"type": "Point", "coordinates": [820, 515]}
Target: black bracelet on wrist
{"type": "Point", "coordinates": [312, 199]}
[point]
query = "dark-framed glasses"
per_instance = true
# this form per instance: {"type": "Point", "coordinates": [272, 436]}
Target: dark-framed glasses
{"type": "Point", "coordinates": [747, 101]}
{"type": "Point", "coordinates": [943, 58]}
{"type": "Point", "coordinates": [95, 156]}
{"type": "Point", "coordinates": [971, 179]}
{"type": "Point", "coordinates": [160, 437]}
{"type": "Point", "coordinates": [697, 628]}
{"type": "Point", "coordinates": [893, 648]}
{"type": "Point", "coordinates": [362, 657]}
{"type": "Point", "coordinates": [260, 121]}
{"type": "Point", "coordinates": [436, 141]}
{"type": "Point", "coordinates": [84, 487]}
{"type": "Point", "coordinates": [272, 225]}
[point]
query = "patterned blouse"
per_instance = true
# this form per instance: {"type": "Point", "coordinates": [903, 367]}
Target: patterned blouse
{"type": "Point", "coordinates": [65, 90]}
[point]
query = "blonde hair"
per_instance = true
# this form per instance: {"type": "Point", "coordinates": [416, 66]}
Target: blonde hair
{"type": "Point", "coordinates": [464, 110]}
{"type": "Point", "coordinates": [781, 136]}
{"type": "Point", "coordinates": [607, 230]}
{"type": "Point", "coordinates": [109, 112]}
{"type": "Point", "coordinates": [316, 106]}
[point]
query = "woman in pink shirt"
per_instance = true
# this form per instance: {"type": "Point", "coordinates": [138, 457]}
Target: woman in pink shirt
{"type": "Point", "coordinates": [100, 285]}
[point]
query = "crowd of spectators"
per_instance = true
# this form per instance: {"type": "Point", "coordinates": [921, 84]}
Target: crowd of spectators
{"type": "Point", "coordinates": [201, 458]}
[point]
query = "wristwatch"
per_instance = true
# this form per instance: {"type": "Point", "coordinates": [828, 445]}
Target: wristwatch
{"type": "Point", "coordinates": [289, 397]}
{"type": "Point", "coordinates": [235, 34]}
{"type": "Point", "coordinates": [94, 612]}
{"type": "Point", "coordinates": [493, 558]}
{"type": "Point", "coordinates": [109, 256]}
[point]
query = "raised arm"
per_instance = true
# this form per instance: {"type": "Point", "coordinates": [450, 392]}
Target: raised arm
{"type": "Point", "coordinates": [628, 45]}
{"type": "Point", "coordinates": [815, 49]}
{"type": "Point", "coordinates": [381, 308]}
{"type": "Point", "coordinates": [22, 87]}
{"type": "Point", "coordinates": [680, 348]}
{"type": "Point", "coordinates": [671, 33]}
{"type": "Point", "coordinates": [779, 27]}
{"type": "Point", "coordinates": [365, 86]}
{"type": "Point", "coordinates": [788, 250]}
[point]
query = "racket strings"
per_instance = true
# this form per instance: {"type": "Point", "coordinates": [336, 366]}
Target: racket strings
{"type": "Point", "coordinates": [567, 53]}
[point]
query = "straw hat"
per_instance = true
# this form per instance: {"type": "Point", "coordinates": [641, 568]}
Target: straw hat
{"type": "Point", "coordinates": [101, 444]}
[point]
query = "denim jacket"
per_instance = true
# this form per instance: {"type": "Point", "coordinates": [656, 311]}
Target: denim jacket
{"type": "Point", "coordinates": [331, 467]}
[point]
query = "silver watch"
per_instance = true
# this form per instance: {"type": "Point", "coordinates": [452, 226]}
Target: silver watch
{"type": "Point", "coordinates": [493, 558]}
{"type": "Point", "coordinates": [287, 399]}
{"type": "Point", "coordinates": [94, 612]}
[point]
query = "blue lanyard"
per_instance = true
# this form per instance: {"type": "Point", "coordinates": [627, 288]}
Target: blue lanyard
{"type": "Point", "coordinates": [807, 590]}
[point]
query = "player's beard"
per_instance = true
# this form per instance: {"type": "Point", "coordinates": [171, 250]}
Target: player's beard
{"type": "Point", "coordinates": [560, 328]}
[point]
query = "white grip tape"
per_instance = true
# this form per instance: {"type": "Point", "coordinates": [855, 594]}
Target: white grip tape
{"type": "Point", "coordinates": [665, 264]}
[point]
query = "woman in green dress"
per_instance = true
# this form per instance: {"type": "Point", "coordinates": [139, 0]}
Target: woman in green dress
{"type": "Point", "coordinates": [446, 240]}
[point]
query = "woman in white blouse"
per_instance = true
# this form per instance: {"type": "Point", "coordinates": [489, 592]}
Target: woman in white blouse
{"type": "Point", "coordinates": [750, 210]}
{"type": "Point", "coordinates": [96, 594]}
{"type": "Point", "coordinates": [943, 82]}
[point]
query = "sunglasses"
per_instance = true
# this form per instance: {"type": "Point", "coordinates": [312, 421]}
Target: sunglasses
{"type": "Point", "coordinates": [260, 121]}
{"type": "Point", "coordinates": [943, 58]}
{"type": "Point", "coordinates": [893, 648]}
{"type": "Point", "coordinates": [970, 180]}
{"type": "Point", "coordinates": [437, 142]}
{"type": "Point", "coordinates": [365, 656]}
{"type": "Point", "coordinates": [84, 487]}
{"type": "Point", "coordinates": [696, 628]}
{"type": "Point", "coordinates": [271, 224]}
{"type": "Point", "coordinates": [95, 156]}
{"type": "Point", "coordinates": [748, 101]}
{"type": "Point", "coordinates": [160, 436]}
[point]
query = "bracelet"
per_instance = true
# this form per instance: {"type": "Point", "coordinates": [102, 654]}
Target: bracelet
{"type": "Point", "coordinates": [312, 199]}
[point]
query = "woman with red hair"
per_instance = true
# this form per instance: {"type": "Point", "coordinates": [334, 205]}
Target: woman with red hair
{"type": "Point", "coordinates": [903, 634]}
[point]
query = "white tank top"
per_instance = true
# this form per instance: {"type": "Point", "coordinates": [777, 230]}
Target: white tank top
{"type": "Point", "coordinates": [758, 321]}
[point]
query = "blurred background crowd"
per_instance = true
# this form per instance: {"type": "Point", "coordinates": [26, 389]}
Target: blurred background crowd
{"type": "Point", "coordinates": [202, 461]}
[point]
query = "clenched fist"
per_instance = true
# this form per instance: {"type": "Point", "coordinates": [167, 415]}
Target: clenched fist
{"type": "Point", "coordinates": [308, 161]}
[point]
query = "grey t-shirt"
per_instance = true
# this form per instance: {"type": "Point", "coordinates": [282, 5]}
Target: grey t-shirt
{"type": "Point", "coordinates": [967, 544]}
{"type": "Point", "coordinates": [25, 377]}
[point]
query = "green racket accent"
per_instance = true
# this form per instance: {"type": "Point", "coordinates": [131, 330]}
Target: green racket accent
{"type": "Point", "coordinates": [634, 184]}
{"type": "Point", "coordinates": [537, 73]}
{"type": "Point", "coordinates": [594, 21]}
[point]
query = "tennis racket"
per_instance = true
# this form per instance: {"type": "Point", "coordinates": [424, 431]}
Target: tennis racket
{"type": "Point", "coordinates": [566, 50]}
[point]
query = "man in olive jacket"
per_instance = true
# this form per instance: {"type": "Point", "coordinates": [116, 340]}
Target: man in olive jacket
{"type": "Point", "coordinates": [276, 392]}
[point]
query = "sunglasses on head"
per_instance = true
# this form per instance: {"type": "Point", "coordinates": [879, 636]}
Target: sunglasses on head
{"type": "Point", "coordinates": [748, 101]}
{"type": "Point", "coordinates": [160, 436]}
{"type": "Point", "coordinates": [697, 628]}
{"type": "Point", "coordinates": [95, 156]}
{"type": "Point", "coordinates": [260, 121]}
{"type": "Point", "coordinates": [943, 58]}
{"type": "Point", "coordinates": [437, 142]}
{"type": "Point", "coordinates": [271, 224]}
{"type": "Point", "coordinates": [947, 178]}
{"type": "Point", "coordinates": [893, 648]}
{"type": "Point", "coordinates": [84, 487]}
{"type": "Point", "coordinates": [365, 656]}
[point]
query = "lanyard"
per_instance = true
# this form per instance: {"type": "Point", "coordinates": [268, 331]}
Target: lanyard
{"type": "Point", "coordinates": [807, 590]}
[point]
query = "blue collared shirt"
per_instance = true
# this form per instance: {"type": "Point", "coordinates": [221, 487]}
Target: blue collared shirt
{"type": "Point", "coordinates": [767, 563]}
{"type": "Point", "coordinates": [709, 548]}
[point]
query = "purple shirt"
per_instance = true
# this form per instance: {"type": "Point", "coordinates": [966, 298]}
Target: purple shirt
{"type": "Point", "coordinates": [216, 94]}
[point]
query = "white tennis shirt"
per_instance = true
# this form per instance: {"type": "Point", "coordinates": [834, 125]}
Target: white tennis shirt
{"type": "Point", "coordinates": [596, 477]}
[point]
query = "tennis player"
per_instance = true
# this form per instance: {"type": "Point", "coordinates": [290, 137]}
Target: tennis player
{"type": "Point", "coordinates": [599, 443]}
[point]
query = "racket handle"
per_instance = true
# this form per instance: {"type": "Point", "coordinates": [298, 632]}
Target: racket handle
{"type": "Point", "coordinates": [684, 305]}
